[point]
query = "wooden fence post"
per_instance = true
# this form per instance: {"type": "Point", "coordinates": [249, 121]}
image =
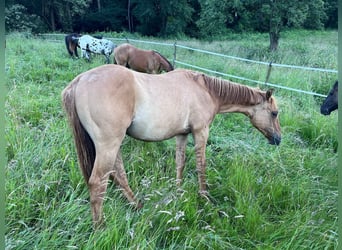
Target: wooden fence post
{"type": "Point", "coordinates": [268, 72]}
{"type": "Point", "coordinates": [174, 54]}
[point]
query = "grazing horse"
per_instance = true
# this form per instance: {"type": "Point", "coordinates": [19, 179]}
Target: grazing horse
{"type": "Point", "coordinates": [146, 61]}
{"type": "Point", "coordinates": [89, 44]}
{"type": "Point", "coordinates": [71, 44]}
{"type": "Point", "coordinates": [108, 102]}
{"type": "Point", "coordinates": [331, 101]}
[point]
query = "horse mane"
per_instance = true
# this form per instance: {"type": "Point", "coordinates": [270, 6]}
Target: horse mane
{"type": "Point", "coordinates": [234, 93]}
{"type": "Point", "coordinates": [170, 65]}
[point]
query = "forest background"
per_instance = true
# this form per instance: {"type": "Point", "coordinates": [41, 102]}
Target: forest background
{"type": "Point", "coordinates": [200, 19]}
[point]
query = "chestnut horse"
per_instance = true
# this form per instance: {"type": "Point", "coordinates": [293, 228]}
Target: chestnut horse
{"type": "Point", "coordinates": [331, 101]}
{"type": "Point", "coordinates": [108, 102]}
{"type": "Point", "coordinates": [146, 61]}
{"type": "Point", "coordinates": [71, 44]}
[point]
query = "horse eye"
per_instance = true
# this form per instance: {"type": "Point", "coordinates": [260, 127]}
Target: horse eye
{"type": "Point", "coordinates": [274, 114]}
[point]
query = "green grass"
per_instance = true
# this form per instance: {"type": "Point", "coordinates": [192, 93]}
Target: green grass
{"type": "Point", "coordinates": [263, 197]}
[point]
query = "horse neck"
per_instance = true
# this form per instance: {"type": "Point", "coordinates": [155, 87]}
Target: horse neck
{"type": "Point", "coordinates": [166, 65]}
{"type": "Point", "coordinates": [233, 97]}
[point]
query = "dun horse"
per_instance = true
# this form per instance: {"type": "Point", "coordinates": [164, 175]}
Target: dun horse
{"type": "Point", "coordinates": [331, 101]}
{"type": "Point", "coordinates": [71, 44]}
{"type": "Point", "coordinates": [146, 61]}
{"type": "Point", "coordinates": [108, 102]}
{"type": "Point", "coordinates": [89, 44]}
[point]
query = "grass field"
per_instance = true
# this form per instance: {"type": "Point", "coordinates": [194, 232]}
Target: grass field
{"type": "Point", "coordinates": [263, 197]}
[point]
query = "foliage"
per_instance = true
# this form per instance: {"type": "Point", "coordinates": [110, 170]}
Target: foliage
{"type": "Point", "coordinates": [262, 197]}
{"type": "Point", "coordinates": [197, 18]}
{"type": "Point", "coordinates": [272, 17]}
{"type": "Point", "coordinates": [113, 17]}
{"type": "Point", "coordinates": [17, 18]}
{"type": "Point", "coordinates": [162, 17]}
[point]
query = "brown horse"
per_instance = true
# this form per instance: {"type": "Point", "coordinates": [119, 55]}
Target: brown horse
{"type": "Point", "coordinates": [146, 61]}
{"type": "Point", "coordinates": [108, 102]}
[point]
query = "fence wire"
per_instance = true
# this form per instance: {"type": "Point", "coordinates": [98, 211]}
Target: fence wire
{"type": "Point", "coordinates": [175, 45]}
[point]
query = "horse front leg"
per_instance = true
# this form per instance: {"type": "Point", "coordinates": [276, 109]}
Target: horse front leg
{"type": "Point", "coordinates": [181, 141]}
{"type": "Point", "coordinates": [88, 56]}
{"type": "Point", "coordinates": [201, 138]}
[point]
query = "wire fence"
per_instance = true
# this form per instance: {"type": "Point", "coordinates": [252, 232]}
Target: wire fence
{"type": "Point", "coordinates": [175, 45]}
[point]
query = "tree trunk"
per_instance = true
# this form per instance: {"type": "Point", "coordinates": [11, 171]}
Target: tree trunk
{"type": "Point", "coordinates": [52, 19]}
{"type": "Point", "coordinates": [275, 25]}
{"type": "Point", "coordinates": [274, 40]}
{"type": "Point", "coordinates": [99, 5]}
{"type": "Point", "coordinates": [129, 16]}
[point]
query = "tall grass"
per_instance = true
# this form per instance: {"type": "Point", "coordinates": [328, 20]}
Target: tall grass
{"type": "Point", "coordinates": [263, 197]}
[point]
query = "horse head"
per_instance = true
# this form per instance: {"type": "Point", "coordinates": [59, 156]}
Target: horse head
{"type": "Point", "coordinates": [264, 117]}
{"type": "Point", "coordinates": [164, 64]}
{"type": "Point", "coordinates": [331, 101]}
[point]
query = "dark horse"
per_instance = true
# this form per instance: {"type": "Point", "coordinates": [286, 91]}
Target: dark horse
{"type": "Point", "coordinates": [71, 44]}
{"type": "Point", "coordinates": [331, 101]}
{"type": "Point", "coordinates": [108, 102]}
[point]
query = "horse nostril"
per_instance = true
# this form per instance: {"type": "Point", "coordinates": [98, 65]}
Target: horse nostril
{"type": "Point", "coordinates": [275, 140]}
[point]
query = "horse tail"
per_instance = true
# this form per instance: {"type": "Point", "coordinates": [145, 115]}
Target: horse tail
{"type": "Point", "coordinates": [169, 66]}
{"type": "Point", "coordinates": [85, 147]}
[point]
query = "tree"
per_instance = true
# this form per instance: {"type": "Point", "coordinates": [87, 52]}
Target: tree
{"type": "Point", "coordinates": [270, 16]}
{"type": "Point", "coordinates": [331, 7]}
{"type": "Point", "coordinates": [213, 16]}
{"type": "Point", "coordinates": [17, 18]}
{"type": "Point", "coordinates": [161, 17]}
{"type": "Point", "coordinates": [282, 13]}
{"type": "Point", "coordinates": [56, 14]}
{"type": "Point", "coordinates": [59, 14]}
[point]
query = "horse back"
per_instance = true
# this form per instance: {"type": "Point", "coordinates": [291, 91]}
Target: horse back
{"type": "Point", "coordinates": [178, 97]}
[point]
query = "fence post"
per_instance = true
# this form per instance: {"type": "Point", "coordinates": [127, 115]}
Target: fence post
{"type": "Point", "coordinates": [174, 54]}
{"type": "Point", "coordinates": [268, 72]}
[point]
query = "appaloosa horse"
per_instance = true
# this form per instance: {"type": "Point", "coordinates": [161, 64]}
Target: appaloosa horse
{"type": "Point", "coordinates": [146, 61]}
{"type": "Point", "coordinates": [89, 44]}
{"type": "Point", "coordinates": [108, 102]}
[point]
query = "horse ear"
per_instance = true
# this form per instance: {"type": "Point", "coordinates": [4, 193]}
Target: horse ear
{"type": "Point", "coordinates": [269, 94]}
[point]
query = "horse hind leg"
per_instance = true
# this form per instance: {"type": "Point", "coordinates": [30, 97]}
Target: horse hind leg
{"type": "Point", "coordinates": [120, 178]}
{"type": "Point", "coordinates": [181, 141]}
{"type": "Point", "coordinates": [201, 138]}
{"type": "Point", "coordinates": [107, 59]}
{"type": "Point", "coordinates": [98, 181]}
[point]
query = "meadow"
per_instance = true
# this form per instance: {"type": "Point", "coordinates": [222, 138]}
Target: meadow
{"type": "Point", "coordinates": [263, 196]}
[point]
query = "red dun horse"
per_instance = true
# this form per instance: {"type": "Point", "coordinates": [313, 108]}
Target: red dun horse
{"type": "Point", "coordinates": [146, 61]}
{"type": "Point", "coordinates": [108, 102]}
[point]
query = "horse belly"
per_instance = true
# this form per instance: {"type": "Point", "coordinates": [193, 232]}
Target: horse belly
{"type": "Point", "coordinates": [157, 125]}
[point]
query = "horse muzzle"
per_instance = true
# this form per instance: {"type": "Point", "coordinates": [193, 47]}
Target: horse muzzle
{"type": "Point", "coordinates": [275, 139]}
{"type": "Point", "coordinates": [325, 111]}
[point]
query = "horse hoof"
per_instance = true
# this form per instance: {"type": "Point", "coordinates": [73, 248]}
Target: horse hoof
{"type": "Point", "coordinates": [204, 194]}
{"type": "Point", "coordinates": [98, 225]}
